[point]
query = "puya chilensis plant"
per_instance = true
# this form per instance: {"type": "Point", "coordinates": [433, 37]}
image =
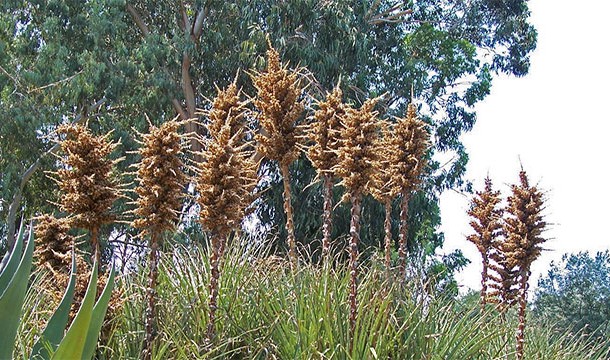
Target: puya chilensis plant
{"type": "Point", "coordinates": [226, 180]}
{"type": "Point", "coordinates": [324, 132]}
{"type": "Point", "coordinates": [356, 155]}
{"type": "Point", "coordinates": [279, 110]}
{"type": "Point", "coordinates": [486, 215]}
{"type": "Point", "coordinates": [523, 227]}
{"type": "Point", "coordinates": [88, 190]}
{"type": "Point", "coordinates": [161, 179]}
{"type": "Point", "coordinates": [80, 340]}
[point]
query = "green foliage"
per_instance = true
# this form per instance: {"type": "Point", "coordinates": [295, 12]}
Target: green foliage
{"type": "Point", "coordinates": [575, 295]}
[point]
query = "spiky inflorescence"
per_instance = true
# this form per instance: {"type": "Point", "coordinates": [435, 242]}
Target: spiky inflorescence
{"type": "Point", "coordinates": [406, 167]}
{"type": "Point", "coordinates": [160, 179]}
{"type": "Point", "coordinates": [324, 133]}
{"type": "Point", "coordinates": [53, 243]}
{"type": "Point", "coordinates": [487, 224]}
{"type": "Point", "coordinates": [523, 227]}
{"type": "Point", "coordinates": [85, 181]}
{"type": "Point", "coordinates": [227, 106]}
{"type": "Point", "coordinates": [226, 181]}
{"type": "Point", "coordinates": [355, 167]}
{"type": "Point", "coordinates": [279, 110]}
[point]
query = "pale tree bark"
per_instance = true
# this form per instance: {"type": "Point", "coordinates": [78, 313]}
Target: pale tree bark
{"type": "Point", "coordinates": [328, 217]}
{"type": "Point", "coordinates": [402, 235]}
{"type": "Point", "coordinates": [354, 230]}
{"type": "Point", "coordinates": [292, 253]}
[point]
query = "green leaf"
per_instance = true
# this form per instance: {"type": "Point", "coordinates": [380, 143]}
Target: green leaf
{"type": "Point", "coordinates": [11, 300]}
{"type": "Point", "coordinates": [73, 344]}
{"type": "Point", "coordinates": [13, 261]}
{"type": "Point", "coordinates": [54, 331]}
{"type": "Point", "coordinates": [97, 318]}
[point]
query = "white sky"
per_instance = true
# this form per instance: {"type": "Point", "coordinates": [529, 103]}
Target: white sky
{"type": "Point", "coordinates": [556, 120]}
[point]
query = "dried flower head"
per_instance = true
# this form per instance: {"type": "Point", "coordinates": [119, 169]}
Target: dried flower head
{"type": "Point", "coordinates": [227, 105]}
{"type": "Point", "coordinates": [486, 218]}
{"type": "Point", "coordinates": [279, 110]}
{"type": "Point", "coordinates": [227, 174]}
{"type": "Point", "coordinates": [357, 149]}
{"type": "Point", "coordinates": [383, 187]}
{"type": "Point", "coordinates": [413, 141]}
{"type": "Point", "coordinates": [53, 243]}
{"type": "Point", "coordinates": [325, 130]}
{"type": "Point", "coordinates": [88, 190]}
{"type": "Point", "coordinates": [161, 178]}
{"type": "Point", "coordinates": [525, 223]}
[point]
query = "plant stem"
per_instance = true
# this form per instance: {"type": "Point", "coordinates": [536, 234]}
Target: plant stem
{"type": "Point", "coordinates": [402, 236]}
{"type": "Point", "coordinates": [151, 297]}
{"type": "Point", "coordinates": [328, 216]}
{"type": "Point", "coordinates": [522, 308]}
{"type": "Point", "coordinates": [354, 230]}
{"type": "Point", "coordinates": [95, 245]}
{"type": "Point", "coordinates": [292, 255]}
{"type": "Point", "coordinates": [215, 256]}
{"type": "Point", "coordinates": [388, 235]}
{"type": "Point", "coordinates": [484, 281]}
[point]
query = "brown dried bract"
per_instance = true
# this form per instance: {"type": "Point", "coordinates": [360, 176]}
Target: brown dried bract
{"type": "Point", "coordinates": [325, 130]}
{"type": "Point", "coordinates": [53, 243]}
{"type": "Point", "coordinates": [357, 149]}
{"type": "Point", "coordinates": [86, 183]}
{"type": "Point", "coordinates": [161, 179]}
{"type": "Point", "coordinates": [279, 110]}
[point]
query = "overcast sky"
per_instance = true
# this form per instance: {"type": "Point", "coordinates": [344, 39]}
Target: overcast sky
{"type": "Point", "coordinates": [556, 120]}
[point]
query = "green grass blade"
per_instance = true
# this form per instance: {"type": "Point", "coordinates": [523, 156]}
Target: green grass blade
{"type": "Point", "coordinates": [13, 261]}
{"type": "Point", "coordinates": [54, 331]}
{"type": "Point", "coordinates": [11, 300]}
{"type": "Point", "coordinates": [73, 344]}
{"type": "Point", "coordinates": [97, 318]}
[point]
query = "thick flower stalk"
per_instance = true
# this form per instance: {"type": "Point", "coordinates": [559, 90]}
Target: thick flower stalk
{"type": "Point", "coordinates": [355, 168]}
{"type": "Point", "coordinates": [487, 224]}
{"type": "Point", "coordinates": [161, 179]}
{"type": "Point", "coordinates": [53, 244]}
{"type": "Point", "coordinates": [85, 181]}
{"type": "Point", "coordinates": [226, 180]}
{"type": "Point", "coordinates": [324, 133]}
{"type": "Point", "coordinates": [279, 110]}
{"type": "Point", "coordinates": [524, 226]}
{"type": "Point", "coordinates": [406, 166]}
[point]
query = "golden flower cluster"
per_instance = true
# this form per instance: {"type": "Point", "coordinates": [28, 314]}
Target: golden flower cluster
{"type": "Point", "coordinates": [86, 184]}
{"type": "Point", "coordinates": [324, 131]}
{"type": "Point", "coordinates": [486, 218]}
{"type": "Point", "coordinates": [279, 110]}
{"type": "Point", "coordinates": [53, 243]}
{"type": "Point", "coordinates": [357, 148]}
{"type": "Point", "coordinates": [227, 106]}
{"type": "Point", "coordinates": [524, 224]}
{"type": "Point", "coordinates": [227, 174]}
{"type": "Point", "coordinates": [161, 178]}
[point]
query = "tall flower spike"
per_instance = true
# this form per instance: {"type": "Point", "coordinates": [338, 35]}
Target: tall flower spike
{"type": "Point", "coordinates": [279, 110]}
{"type": "Point", "coordinates": [407, 166]}
{"type": "Point", "coordinates": [53, 243]}
{"type": "Point", "coordinates": [384, 189]}
{"type": "Point", "coordinates": [487, 224]}
{"type": "Point", "coordinates": [86, 183]}
{"type": "Point", "coordinates": [523, 227]}
{"type": "Point", "coordinates": [355, 167]}
{"type": "Point", "coordinates": [160, 180]}
{"type": "Point", "coordinates": [324, 132]}
{"type": "Point", "coordinates": [226, 181]}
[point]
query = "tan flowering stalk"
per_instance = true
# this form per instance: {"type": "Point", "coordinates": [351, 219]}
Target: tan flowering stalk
{"type": "Point", "coordinates": [487, 224]}
{"type": "Point", "coordinates": [226, 180]}
{"type": "Point", "coordinates": [384, 189]}
{"type": "Point", "coordinates": [355, 168]}
{"type": "Point", "coordinates": [160, 180]}
{"type": "Point", "coordinates": [324, 131]}
{"type": "Point", "coordinates": [279, 109]}
{"type": "Point", "coordinates": [407, 165]}
{"type": "Point", "coordinates": [88, 190]}
{"type": "Point", "coordinates": [53, 243]}
{"type": "Point", "coordinates": [524, 226]}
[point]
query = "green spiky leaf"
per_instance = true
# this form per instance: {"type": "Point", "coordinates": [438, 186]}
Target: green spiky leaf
{"type": "Point", "coordinates": [97, 318]}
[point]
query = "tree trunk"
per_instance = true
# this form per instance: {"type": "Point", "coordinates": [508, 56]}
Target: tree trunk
{"type": "Point", "coordinates": [388, 236]}
{"type": "Point", "coordinates": [215, 256]}
{"type": "Point", "coordinates": [328, 217]}
{"type": "Point", "coordinates": [151, 297]}
{"type": "Point", "coordinates": [354, 230]}
{"type": "Point", "coordinates": [292, 254]}
{"type": "Point", "coordinates": [522, 313]}
{"type": "Point", "coordinates": [402, 236]}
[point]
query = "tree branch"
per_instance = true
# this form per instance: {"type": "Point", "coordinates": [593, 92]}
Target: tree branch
{"type": "Point", "coordinates": [138, 20]}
